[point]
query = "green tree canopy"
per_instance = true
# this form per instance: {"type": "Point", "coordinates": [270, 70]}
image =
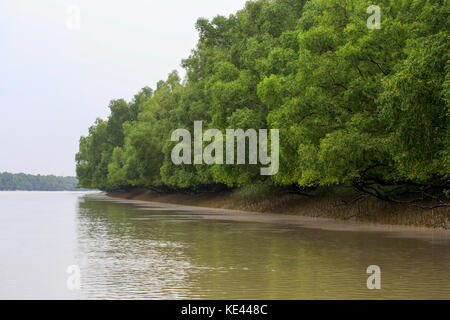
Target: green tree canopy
{"type": "Point", "coordinates": [355, 106]}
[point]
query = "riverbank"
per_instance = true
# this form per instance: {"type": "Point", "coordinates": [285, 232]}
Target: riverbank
{"type": "Point", "coordinates": [328, 206]}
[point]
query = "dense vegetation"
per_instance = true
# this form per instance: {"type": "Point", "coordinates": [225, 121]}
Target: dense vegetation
{"type": "Point", "coordinates": [21, 181]}
{"type": "Point", "coordinates": [359, 107]}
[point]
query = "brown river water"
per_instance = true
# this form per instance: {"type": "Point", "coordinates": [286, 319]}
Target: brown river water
{"type": "Point", "coordinates": [136, 250]}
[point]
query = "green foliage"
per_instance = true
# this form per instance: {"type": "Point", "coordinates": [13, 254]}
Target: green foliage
{"type": "Point", "coordinates": [28, 182]}
{"type": "Point", "coordinates": [353, 105]}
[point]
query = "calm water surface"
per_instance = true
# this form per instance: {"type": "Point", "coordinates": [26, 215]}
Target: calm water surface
{"type": "Point", "coordinates": [127, 250]}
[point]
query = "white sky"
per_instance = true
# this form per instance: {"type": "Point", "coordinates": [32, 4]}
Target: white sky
{"type": "Point", "coordinates": [54, 81]}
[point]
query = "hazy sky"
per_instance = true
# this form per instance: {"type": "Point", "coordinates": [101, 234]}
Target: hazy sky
{"type": "Point", "coordinates": [57, 79]}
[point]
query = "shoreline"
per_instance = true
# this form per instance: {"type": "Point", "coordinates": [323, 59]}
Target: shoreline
{"type": "Point", "coordinates": [323, 223]}
{"type": "Point", "coordinates": [330, 204]}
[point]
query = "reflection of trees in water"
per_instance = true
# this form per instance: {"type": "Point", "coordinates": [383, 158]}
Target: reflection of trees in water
{"type": "Point", "coordinates": [119, 259]}
{"type": "Point", "coordinates": [164, 254]}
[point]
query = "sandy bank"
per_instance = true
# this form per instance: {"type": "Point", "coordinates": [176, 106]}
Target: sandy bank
{"type": "Point", "coordinates": [324, 223]}
{"type": "Point", "coordinates": [328, 205]}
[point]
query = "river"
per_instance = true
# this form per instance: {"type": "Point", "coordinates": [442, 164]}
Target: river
{"type": "Point", "coordinates": [133, 250]}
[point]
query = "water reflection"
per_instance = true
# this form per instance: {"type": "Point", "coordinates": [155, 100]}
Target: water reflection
{"type": "Point", "coordinates": [128, 251]}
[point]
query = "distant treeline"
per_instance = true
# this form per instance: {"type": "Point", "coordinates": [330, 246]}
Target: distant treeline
{"type": "Point", "coordinates": [22, 181]}
{"type": "Point", "coordinates": [356, 107]}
